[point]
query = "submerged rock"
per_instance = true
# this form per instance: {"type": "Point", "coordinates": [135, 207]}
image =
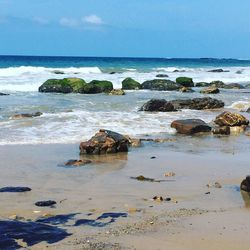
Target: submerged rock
{"type": "Point", "coordinates": [218, 70]}
{"type": "Point", "coordinates": [105, 142]}
{"type": "Point", "coordinates": [21, 116]}
{"type": "Point", "coordinates": [202, 84]}
{"type": "Point", "coordinates": [117, 92]}
{"type": "Point", "coordinates": [2, 94]}
{"type": "Point", "coordinates": [186, 90]}
{"type": "Point", "coordinates": [218, 84]}
{"type": "Point", "coordinates": [48, 203]}
{"type": "Point", "coordinates": [185, 81]}
{"type": "Point", "coordinates": [198, 103]}
{"type": "Point", "coordinates": [14, 189]}
{"type": "Point", "coordinates": [231, 119]}
{"type": "Point", "coordinates": [58, 72]}
{"type": "Point", "coordinates": [77, 163]}
{"type": "Point", "coordinates": [190, 126]}
{"type": "Point", "coordinates": [129, 84]}
{"type": "Point", "coordinates": [210, 90]}
{"type": "Point", "coordinates": [161, 76]}
{"type": "Point", "coordinates": [160, 105]}
{"type": "Point", "coordinates": [161, 85]}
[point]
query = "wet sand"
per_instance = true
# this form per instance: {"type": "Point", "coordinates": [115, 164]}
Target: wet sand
{"type": "Point", "coordinates": [197, 217]}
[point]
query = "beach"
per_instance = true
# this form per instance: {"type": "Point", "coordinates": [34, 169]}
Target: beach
{"type": "Point", "coordinates": [171, 191]}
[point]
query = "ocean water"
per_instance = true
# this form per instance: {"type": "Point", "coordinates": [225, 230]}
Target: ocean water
{"type": "Point", "coordinates": [72, 118]}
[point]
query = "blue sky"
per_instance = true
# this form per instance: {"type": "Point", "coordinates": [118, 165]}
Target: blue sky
{"type": "Point", "coordinates": [139, 28]}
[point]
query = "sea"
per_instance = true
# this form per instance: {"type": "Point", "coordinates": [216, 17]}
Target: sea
{"type": "Point", "coordinates": [71, 118]}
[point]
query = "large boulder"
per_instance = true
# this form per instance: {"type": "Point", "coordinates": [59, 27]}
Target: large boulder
{"type": "Point", "coordinates": [160, 105]}
{"type": "Point", "coordinates": [198, 103]}
{"type": "Point", "coordinates": [217, 84]}
{"type": "Point", "coordinates": [231, 119]}
{"type": "Point", "coordinates": [210, 90]}
{"type": "Point", "coordinates": [190, 126]}
{"type": "Point", "coordinates": [105, 86]}
{"type": "Point", "coordinates": [129, 83]}
{"type": "Point", "coordinates": [66, 85]}
{"type": "Point", "coordinates": [185, 81]}
{"type": "Point", "coordinates": [91, 89]}
{"type": "Point", "coordinates": [161, 84]}
{"type": "Point", "coordinates": [105, 142]}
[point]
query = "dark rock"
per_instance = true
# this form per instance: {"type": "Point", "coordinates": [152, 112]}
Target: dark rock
{"type": "Point", "coordinates": [186, 90]}
{"type": "Point", "coordinates": [217, 84]}
{"type": "Point", "coordinates": [58, 72]}
{"type": "Point", "coordinates": [198, 103]}
{"type": "Point", "coordinates": [91, 89]}
{"type": "Point", "coordinates": [112, 73]}
{"type": "Point", "coordinates": [233, 86]}
{"type": "Point", "coordinates": [78, 163]}
{"type": "Point", "coordinates": [14, 189]}
{"type": "Point", "coordinates": [2, 94]}
{"type": "Point", "coordinates": [248, 110]}
{"type": "Point", "coordinates": [247, 86]}
{"type": "Point", "coordinates": [202, 84]}
{"type": "Point", "coordinates": [238, 72]}
{"type": "Point", "coordinates": [231, 119]}
{"type": "Point", "coordinates": [185, 81]}
{"type": "Point", "coordinates": [245, 184]}
{"type": "Point", "coordinates": [218, 70]}
{"type": "Point", "coordinates": [21, 116]}
{"type": "Point", "coordinates": [221, 130]}
{"type": "Point", "coordinates": [106, 86]}
{"type": "Point", "coordinates": [178, 71]}
{"type": "Point", "coordinates": [104, 142]}
{"type": "Point", "coordinates": [161, 76]}
{"type": "Point", "coordinates": [190, 126]}
{"type": "Point", "coordinates": [130, 84]}
{"type": "Point", "coordinates": [210, 90]}
{"type": "Point", "coordinates": [142, 178]}
{"type": "Point", "coordinates": [48, 203]}
{"type": "Point", "coordinates": [160, 105]}
{"type": "Point", "coordinates": [161, 85]}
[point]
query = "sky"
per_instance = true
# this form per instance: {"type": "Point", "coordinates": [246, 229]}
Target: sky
{"type": "Point", "coordinates": [126, 28]}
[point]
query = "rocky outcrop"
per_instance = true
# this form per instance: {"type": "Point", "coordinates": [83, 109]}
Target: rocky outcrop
{"type": "Point", "coordinates": [161, 76]}
{"type": "Point", "coordinates": [161, 84]}
{"type": "Point", "coordinates": [190, 126]}
{"type": "Point", "coordinates": [160, 105]}
{"type": "Point", "coordinates": [231, 119]}
{"type": "Point", "coordinates": [185, 81]}
{"type": "Point", "coordinates": [105, 86]}
{"type": "Point", "coordinates": [117, 92]}
{"type": "Point", "coordinates": [105, 142]}
{"type": "Point", "coordinates": [186, 90]}
{"type": "Point", "coordinates": [198, 103]}
{"type": "Point", "coordinates": [21, 116]}
{"type": "Point", "coordinates": [210, 90]}
{"type": "Point", "coordinates": [129, 84]}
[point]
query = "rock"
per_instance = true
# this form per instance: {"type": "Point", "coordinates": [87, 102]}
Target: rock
{"type": "Point", "coordinates": [190, 126]}
{"type": "Point", "coordinates": [106, 86]}
{"type": "Point", "coordinates": [161, 76]}
{"type": "Point", "coordinates": [186, 90]}
{"type": "Point", "coordinates": [159, 105]}
{"type": "Point", "coordinates": [66, 85]}
{"type": "Point", "coordinates": [117, 92]}
{"type": "Point", "coordinates": [133, 142]}
{"type": "Point", "coordinates": [238, 72]}
{"type": "Point", "coordinates": [248, 110]}
{"type": "Point", "coordinates": [198, 103]}
{"type": "Point", "coordinates": [221, 130]}
{"type": "Point", "coordinates": [16, 217]}
{"type": "Point", "coordinates": [236, 130]}
{"type": "Point", "coordinates": [185, 81]}
{"type": "Point", "coordinates": [245, 184]}
{"type": "Point", "coordinates": [218, 70]}
{"type": "Point", "coordinates": [142, 178]}
{"type": "Point", "coordinates": [21, 116]}
{"type": "Point", "coordinates": [202, 84]}
{"type": "Point", "coordinates": [105, 142]}
{"type": "Point", "coordinates": [218, 84]}
{"type": "Point", "coordinates": [91, 89]}
{"type": "Point", "coordinates": [112, 72]}
{"type": "Point", "coordinates": [130, 84]}
{"type": "Point", "coordinates": [231, 119]}
{"type": "Point", "coordinates": [14, 189]}
{"type": "Point", "coordinates": [77, 163]}
{"type": "Point", "coordinates": [48, 203]}
{"type": "Point", "coordinates": [233, 86]}
{"type": "Point", "coordinates": [58, 72]}
{"type": "Point", "coordinates": [169, 174]}
{"type": "Point", "coordinates": [210, 90]}
{"type": "Point", "coordinates": [178, 71]}
{"type": "Point", "coordinates": [217, 185]}
{"type": "Point", "coordinates": [247, 86]}
{"type": "Point", "coordinates": [3, 94]}
{"type": "Point", "coordinates": [161, 85]}
{"type": "Point", "coordinates": [158, 198]}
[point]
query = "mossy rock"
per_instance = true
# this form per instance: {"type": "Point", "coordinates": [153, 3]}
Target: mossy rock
{"type": "Point", "coordinates": [202, 84]}
{"type": "Point", "coordinates": [66, 85]}
{"type": "Point", "coordinates": [161, 84]}
{"type": "Point", "coordinates": [106, 86]}
{"type": "Point", "coordinates": [185, 81]}
{"type": "Point", "coordinates": [218, 84]}
{"type": "Point", "coordinates": [130, 83]}
{"type": "Point", "coordinates": [91, 89]}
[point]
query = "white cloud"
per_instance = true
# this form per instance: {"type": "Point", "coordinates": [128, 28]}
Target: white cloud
{"type": "Point", "coordinates": [69, 22]}
{"type": "Point", "coordinates": [41, 20]}
{"type": "Point", "coordinates": [93, 19]}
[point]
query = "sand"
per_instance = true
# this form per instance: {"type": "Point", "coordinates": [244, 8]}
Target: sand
{"type": "Point", "coordinates": [197, 217]}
